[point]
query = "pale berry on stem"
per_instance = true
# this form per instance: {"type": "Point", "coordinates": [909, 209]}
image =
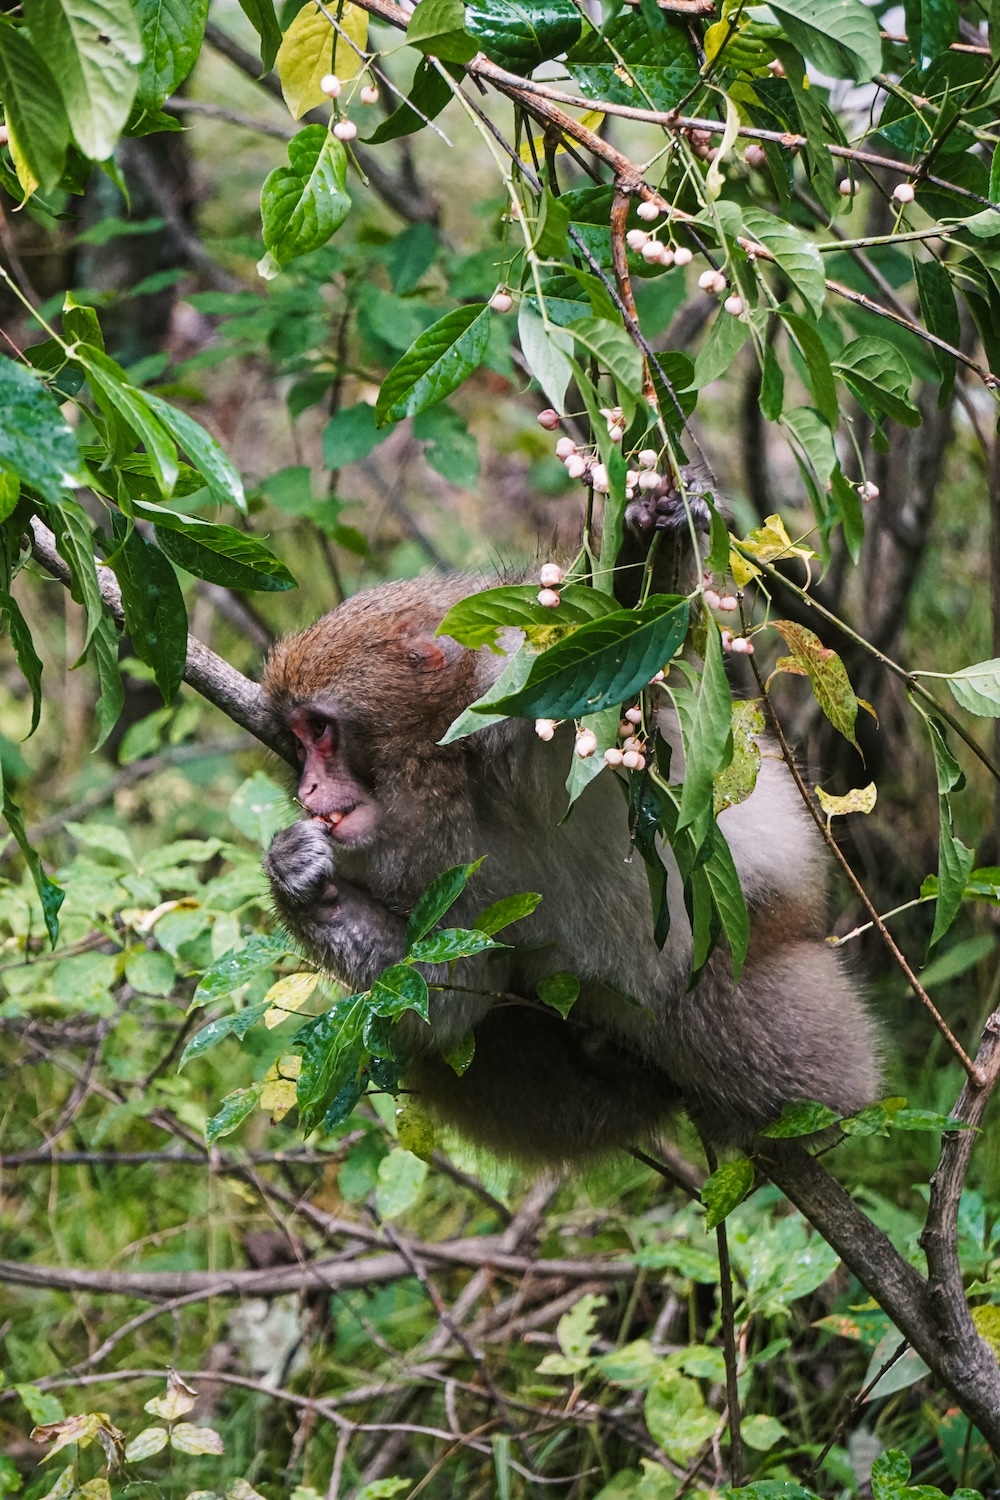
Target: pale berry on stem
{"type": "Point", "coordinates": [551, 575]}
{"type": "Point", "coordinates": [330, 85]}
{"type": "Point", "coordinates": [549, 419]}
{"type": "Point", "coordinates": [683, 256]}
{"type": "Point", "coordinates": [545, 728]}
{"type": "Point", "coordinates": [345, 130]}
{"type": "Point", "coordinates": [548, 598]}
{"type": "Point", "coordinates": [565, 448]}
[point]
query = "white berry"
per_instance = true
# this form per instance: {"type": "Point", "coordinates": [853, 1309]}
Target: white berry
{"type": "Point", "coordinates": [551, 575]}
{"type": "Point", "coordinates": [649, 480]}
{"type": "Point", "coordinates": [345, 130]}
{"type": "Point", "coordinates": [576, 466]}
{"type": "Point", "coordinates": [728, 603]}
{"type": "Point", "coordinates": [711, 598]}
{"type": "Point", "coordinates": [613, 757]}
{"type": "Point", "coordinates": [648, 210]}
{"type": "Point", "coordinates": [565, 448]}
{"type": "Point", "coordinates": [599, 479]}
{"type": "Point", "coordinates": [586, 743]}
{"type": "Point", "coordinates": [545, 728]}
{"type": "Point", "coordinates": [549, 419]}
{"type": "Point", "coordinates": [658, 678]}
{"type": "Point", "coordinates": [634, 715]}
{"type": "Point", "coordinates": [734, 305]}
{"type": "Point", "coordinates": [330, 85]}
{"type": "Point", "coordinates": [683, 256]}
{"type": "Point", "coordinates": [846, 188]}
{"type": "Point", "coordinates": [501, 302]}
{"type": "Point", "coordinates": [742, 646]}
{"type": "Point", "coordinates": [904, 192]}
{"type": "Point", "coordinates": [631, 759]}
{"type": "Point", "coordinates": [652, 250]}
{"type": "Point", "coordinates": [648, 458]}
{"type": "Point", "coordinates": [665, 257]}
{"type": "Point", "coordinates": [4, 135]}
{"type": "Point", "coordinates": [369, 94]}
{"type": "Point", "coordinates": [548, 598]}
{"type": "Point", "coordinates": [616, 433]}
{"type": "Point", "coordinates": [868, 491]}
{"type": "Point", "coordinates": [635, 239]}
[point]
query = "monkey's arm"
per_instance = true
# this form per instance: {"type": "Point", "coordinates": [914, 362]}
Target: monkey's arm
{"type": "Point", "coordinates": [340, 925]}
{"type": "Point", "coordinates": [659, 517]}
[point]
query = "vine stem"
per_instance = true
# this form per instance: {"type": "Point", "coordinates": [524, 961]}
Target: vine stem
{"type": "Point", "coordinates": [974, 1074]}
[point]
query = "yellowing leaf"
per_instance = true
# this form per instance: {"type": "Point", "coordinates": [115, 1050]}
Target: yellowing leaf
{"type": "Point", "coordinates": [827, 673]}
{"type": "Point", "coordinates": [861, 800]}
{"type": "Point", "coordinates": [187, 1438]}
{"type": "Point", "coordinates": [737, 781]}
{"type": "Point", "coordinates": [592, 120]}
{"type": "Point", "coordinates": [770, 543]}
{"type": "Point", "coordinates": [415, 1129]}
{"type": "Point", "coordinates": [177, 1402]}
{"type": "Point", "coordinates": [25, 176]}
{"type": "Point", "coordinates": [987, 1321]}
{"type": "Point", "coordinates": [288, 995]}
{"type": "Point", "coordinates": [307, 53]}
{"type": "Point", "coordinates": [278, 1097]}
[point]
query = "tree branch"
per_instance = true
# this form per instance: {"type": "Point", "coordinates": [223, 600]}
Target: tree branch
{"type": "Point", "coordinates": [239, 698]}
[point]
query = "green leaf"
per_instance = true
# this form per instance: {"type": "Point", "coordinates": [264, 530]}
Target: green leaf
{"type": "Point", "coordinates": [840, 36]}
{"type": "Point", "coordinates": [36, 442]}
{"type": "Point", "coordinates": [977, 688]}
{"type": "Point", "coordinates": [451, 943]}
{"type": "Point", "coordinates": [520, 36]}
{"type": "Point", "coordinates": [736, 781]}
{"type": "Point", "coordinates": [237, 1024]}
{"type": "Point", "coordinates": [260, 14]}
{"type": "Point", "coordinates": [890, 1473]}
{"type": "Point", "coordinates": [155, 614]}
{"type": "Point", "coordinates": [104, 652]}
{"type": "Point", "coordinates": [438, 898]}
{"type": "Point", "coordinates": [436, 363]}
{"type": "Point", "coordinates": [659, 69]}
{"type": "Point", "coordinates": [451, 448]}
{"type": "Point", "coordinates": [723, 881]}
{"type": "Point", "coordinates": [614, 351]}
{"type": "Point", "coordinates": [940, 313]}
{"type": "Point", "coordinates": [259, 807]}
{"type": "Point", "coordinates": [561, 991]}
{"type": "Point", "coordinates": [553, 222]}
{"type": "Point", "coordinates": [706, 730]}
{"type": "Point", "coordinates": [727, 1187]}
{"type": "Point", "coordinates": [332, 1057]}
{"type": "Point", "coordinates": [815, 440]}
{"type": "Point", "coordinates": [219, 554]}
{"type": "Point", "coordinates": [772, 389]}
{"type": "Point", "coordinates": [172, 34]}
{"type": "Point", "coordinates": [803, 1117]}
{"type": "Point", "coordinates": [545, 352]}
{"type": "Point", "coordinates": [762, 1432]}
{"type": "Point", "coordinates": [602, 663]}
{"type": "Point", "coordinates": [438, 27]}
{"type": "Point", "coordinates": [478, 715]}
{"type": "Point", "coordinates": [794, 251]}
{"type": "Point", "coordinates": [350, 435]}
{"type": "Point", "coordinates": [478, 620]}
{"type": "Point", "coordinates": [397, 990]}
{"type": "Point", "coordinates": [75, 545]}
{"type": "Point", "coordinates": [506, 911]}
{"type": "Point", "coordinates": [879, 376]}
{"type": "Point", "coordinates": [202, 450]}
{"type": "Point", "coordinates": [234, 968]}
{"type": "Point", "coordinates": [303, 204]}
{"type": "Point", "coordinates": [28, 659]}
{"type": "Point", "coordinates": [955, 862]}
{"type": "Point", "coordinates": [817, 362]}
{"type": "Point", "coordinates": [401, 1175]}
{"type": "Point", "coordinates": [50, 895]}
{"type": "Point", "coordinates": [583, 770]}
{"type": "Point", "coordinates": [41, 1406]}
{"type": "Point", "coordinates": [235, 1108]}
{"type": "Point", "coordinates": [116, 395]}
{"type": "Point", "coordinates": [33, 108]}
{"type": "Point", "coordinates": [425, 99]}
{"type": "Point", "coordinates": [726, 338]}
{"type": "Point", "coordinates": [93, 48]}
{"type": "Point", "coordinates": [677, 1416]}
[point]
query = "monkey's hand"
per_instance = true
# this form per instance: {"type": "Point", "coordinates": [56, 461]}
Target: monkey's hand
{"type": "Point", "coordinates": [343, 927]}
{"type": "Point", "coordinates": [299, 865]}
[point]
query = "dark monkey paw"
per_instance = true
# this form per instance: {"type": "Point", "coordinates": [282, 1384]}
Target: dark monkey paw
{"type": "Point", "coordinates": [300, 863]}
{"type": "Point", "coordinates": [662, 509]}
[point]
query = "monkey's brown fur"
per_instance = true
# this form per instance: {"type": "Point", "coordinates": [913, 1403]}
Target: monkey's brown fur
{"type": "Point", "coordinates": [637, 1041]}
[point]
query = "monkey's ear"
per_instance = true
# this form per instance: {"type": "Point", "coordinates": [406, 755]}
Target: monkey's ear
{"type": "Point", "coordinates": [426, 653]}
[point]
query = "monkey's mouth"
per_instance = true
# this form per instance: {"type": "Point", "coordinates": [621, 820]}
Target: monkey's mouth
{"type": "Point", "coordinates": [350, 825]}
{"type": "Point", "coordinates": [334, 819]}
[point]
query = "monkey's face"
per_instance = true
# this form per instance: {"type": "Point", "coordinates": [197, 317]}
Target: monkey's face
{"type": "Point", "coordinates": [330, 787]}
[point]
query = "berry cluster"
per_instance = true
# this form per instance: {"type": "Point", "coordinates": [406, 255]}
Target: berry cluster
{"type": "Point", "coordinates": [332, 86]}
{"type": "Point", "coordinates": [739, 645]}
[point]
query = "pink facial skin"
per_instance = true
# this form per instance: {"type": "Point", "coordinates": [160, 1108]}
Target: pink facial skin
{"type": "Point", "coordinates": [328, 789]}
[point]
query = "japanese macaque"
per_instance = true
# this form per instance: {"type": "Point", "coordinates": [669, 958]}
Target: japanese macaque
{"type": "Point", "coordinates": [368, 691]}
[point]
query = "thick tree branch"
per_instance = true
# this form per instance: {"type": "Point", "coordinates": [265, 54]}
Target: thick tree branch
{"type": "Point", "coordinates": [239, 698]}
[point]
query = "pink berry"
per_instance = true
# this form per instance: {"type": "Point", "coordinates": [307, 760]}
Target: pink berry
{"type": "Point", "coordinates": [545, 728]}
{"type": "Point", "coordinates": [576, 466]}
{"type": "Point", "coordinates": [624, 729]}
{"type": "Point", "coordinates": [599, 479]}
{"type": "Point", "coordinates": [734, 305]}
{"type": "Point", "coordinates": [4, 135]}
{"type": "Point", "coordinates": [635, 239]}
{"type": "Point", "coordinates": [652, 250]}
{"type": "Point", "coordinates": [548, 598]}
{"type": "Point", "coordinates": [658, 678]}
{"type": "Point", "coordinates": [755, 156]}
{"type": "Point", "coordinates": [640, 762]}
{"type": "Point", "coordinates": [649, 480]}
{"type": "Point", "coordinates": [904, 192]}
{"type": "Point", "coordinates": [586, 743]}
{"type": "Point", "coordinates": [634, 715]}
{"type": "Point", "coordinates": [683, 256]}
{"type": "Point", "coordinates": [345, 130]}
{"type": "Point", "coordinates": [665, 257]}
{"type": "Point", "coordinates": [727, 640]}
{"type": "Point", "coordinates": [631, 759]}
{"type": "Point", "coordinates": [868, 491]}
{"type": "Point", "coordinates": [613, 757]}
{"type": "Point", "coordinates": [369, 94]}
{"type": "Point", "coordinates": [549, 419]}
{"type": "Point", "coordinates": [742, 646]}
{"type": "Point", "coordinates": [648, 458]}
{"type": "Point", "coordinates": [565, 448]}
{"type": "Point", "coordinates": [648, 210]}
{"type": "Point", "coordinates": [551, 575]}
{"type": "Point", "coordinates": [330, 85]}
{"type": "Point", "coordinates": [501, 302]}
{"type": "Point", "coordinates": [728, 602]}
{"type": "Point", "coordinates": [632, 741]}
{"type": "Point", "coordinates": [846, 188]}
{"type": "Point", "coordinates": [711, 599]}
{"type": "Point", "coordinates": [776, 67]}
{"type": "Point", "coordinates": [616, 433]}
